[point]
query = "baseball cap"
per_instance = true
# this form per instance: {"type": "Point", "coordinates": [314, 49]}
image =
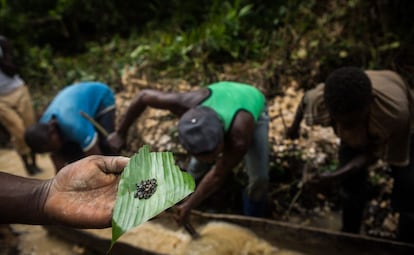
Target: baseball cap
{"type": "Point", "coordinates": [200, 130]}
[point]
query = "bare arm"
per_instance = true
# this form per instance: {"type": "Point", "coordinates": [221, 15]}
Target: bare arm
{"type": "Point", "coordinates": [234, 151]}
{"type": "Point", "coordinates": [81, 195]}
{"type": "Point", "coordinates": [94, 150]}
{"type": "Point", "coordinates": [152, 98]}
{"type": "Point", "coordinates": [358, 163]}
{"type": "Point", "coordinates": [58, 160]}
{"type": "Point", "coordinates": [293, 131]}
{"type": "Point", "coordinates": [177, 103]}
{"type": "Point", "coordinates": [21, 199]}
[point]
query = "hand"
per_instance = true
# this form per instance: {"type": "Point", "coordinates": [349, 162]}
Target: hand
{"type": "Point", "coordinates": [292, 133]}
{"type": "Point", "coordinates": [322, 179]}
{"type": "Point", "coordinates": [181, 214]}
{"type": "Point", "coordinates": [83, 193]}
{"type": "Point", "coordinates": [116, 141]}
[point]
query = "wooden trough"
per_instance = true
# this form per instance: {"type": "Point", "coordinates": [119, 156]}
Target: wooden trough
{"type": "Point", "coordinates": [307, 240]}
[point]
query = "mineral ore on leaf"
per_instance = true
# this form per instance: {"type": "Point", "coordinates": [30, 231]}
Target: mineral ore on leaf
{"type": "Point", "coordinates": [154, 177]}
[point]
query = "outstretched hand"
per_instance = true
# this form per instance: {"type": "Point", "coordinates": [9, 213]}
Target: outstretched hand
{"type": "Point", "coordinates": [83, 193]}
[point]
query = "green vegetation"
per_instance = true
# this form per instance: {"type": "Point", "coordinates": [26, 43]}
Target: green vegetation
{"type": "Point", "coordinates": [60, 41]}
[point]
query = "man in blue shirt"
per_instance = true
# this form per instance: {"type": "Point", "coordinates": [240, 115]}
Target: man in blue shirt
{"type": "Point", "coordinates": [63, 128]}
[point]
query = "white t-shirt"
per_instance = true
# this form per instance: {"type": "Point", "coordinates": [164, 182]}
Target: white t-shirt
{"type": "Point", "coordinates": [8, 84]}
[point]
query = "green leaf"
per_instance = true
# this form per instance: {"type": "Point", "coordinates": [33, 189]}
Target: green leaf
{"type": "Point", "coordinates": [172, 186]}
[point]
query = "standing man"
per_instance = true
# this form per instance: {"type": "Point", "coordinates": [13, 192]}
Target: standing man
{"type": "Point", "coordinates": [16, 110]}
{"type": "Point", "coordinates": [219, 126]}
{"type": "Point", "coordinates": [372, 114]}
{"type": "Point", "coordinates": [64, 128]}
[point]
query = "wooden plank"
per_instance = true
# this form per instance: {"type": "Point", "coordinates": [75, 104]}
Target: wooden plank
{"type": "Point", "coordinates": [311, 240]}
{"type": "Point", "coordinates": [308, 240]}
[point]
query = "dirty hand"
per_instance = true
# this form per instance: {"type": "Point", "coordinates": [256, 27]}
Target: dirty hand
{"type": "Point", "coordinates": [181, 214]}
{"type": "Point", "coordinates": [116, 141]}
{"type": "Point", "coordinates": [83, 193]}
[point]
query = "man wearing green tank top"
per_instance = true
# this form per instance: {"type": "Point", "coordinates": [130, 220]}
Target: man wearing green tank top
{"type": "Point", "coordinates": [220, 126]}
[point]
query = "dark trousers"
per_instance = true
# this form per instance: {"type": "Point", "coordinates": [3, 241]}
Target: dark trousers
{"type": "Point", "coordinates": [354, 195]}
{"type": "Point", "coordinates": [353, 192]}
{"type": "Point", "coordinates": [402, 199]}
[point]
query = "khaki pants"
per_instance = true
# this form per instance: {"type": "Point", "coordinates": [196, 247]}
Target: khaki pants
{"type": "Point", "coordinates": [16, 114]}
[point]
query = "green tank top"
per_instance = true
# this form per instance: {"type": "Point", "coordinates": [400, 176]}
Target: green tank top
{"type": "Point", "coordinates": [227, 98]}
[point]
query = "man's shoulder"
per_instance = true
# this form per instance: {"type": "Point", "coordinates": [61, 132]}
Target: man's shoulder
{"type": "Point", "coordinates": [241, 120]}
{"type": "Point", "coordinates": [380, 76]}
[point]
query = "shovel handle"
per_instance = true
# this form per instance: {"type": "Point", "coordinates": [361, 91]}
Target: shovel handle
{"type": "Point", "coordinates": [191, 230]}
{"type": "Point", "coordinates": [95, 124]}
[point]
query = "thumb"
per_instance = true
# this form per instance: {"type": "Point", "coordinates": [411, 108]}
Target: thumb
{"type": "Point", "coordinates": [114, 165]}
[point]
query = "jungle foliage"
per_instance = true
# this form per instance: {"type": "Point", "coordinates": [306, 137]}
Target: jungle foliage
{"type": "Point", "coordinates": [60, 41]}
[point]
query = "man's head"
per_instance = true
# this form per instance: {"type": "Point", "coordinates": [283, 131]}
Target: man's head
{"type": "Point", "coordinates": [348, 96]}
{"type": "Point", "coordinates": [43, 137]}
{"type": "Point", "coordinates": [347, 90]}
{"type": "Point", "coordinates": [201, 131]}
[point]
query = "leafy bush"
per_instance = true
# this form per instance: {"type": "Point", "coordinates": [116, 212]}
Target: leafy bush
{"type": "Point", "coordinates": [59, 41]}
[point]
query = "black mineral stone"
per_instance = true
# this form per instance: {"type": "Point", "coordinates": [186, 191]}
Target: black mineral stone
{"type": "Point", "coordinates": [146, 188]}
